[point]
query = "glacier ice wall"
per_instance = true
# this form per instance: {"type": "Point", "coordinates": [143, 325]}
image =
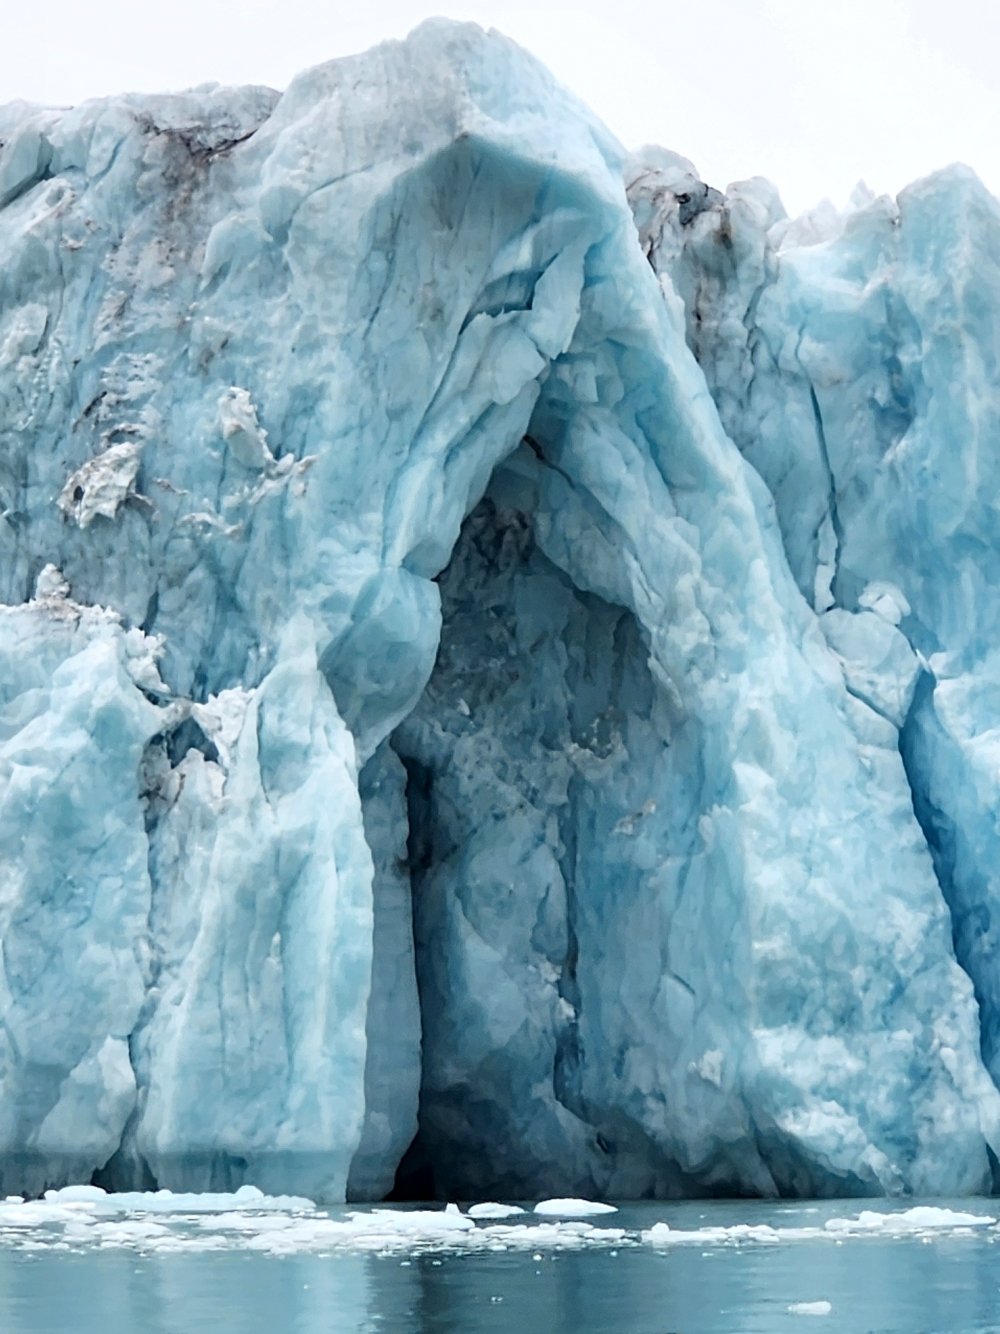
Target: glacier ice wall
{"type": "Point", "coordinates": [406, 589]}
{"type": "Point", "coordinates": [853, 359]}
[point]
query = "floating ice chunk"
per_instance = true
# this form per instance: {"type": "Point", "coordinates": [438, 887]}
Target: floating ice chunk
{"type": "Point", "coordinates": [662, 1234]}
{"type": "Point", "coordinates": [922, 1218]}
{"type": "Point", "coordinates": [415, 1222]}
{"type": "Point", "coordinates": [557, 1236]}
{"type": "Point", "coordinates": [77, 1195]}
{"type": "Point", "coordinates": [382, 1230]}
{"type": "Point", "coordinates": [491, 1210]}
{"type": "Point", "coordinates": [573, 1208]}
{"type": "Point", "coordinates": [918, 1219]}
{"type": "Point", "coordinates": [246, 1220]}
{"type": "Point", "coordinates": [810, 1308]}
{"type": "Point", "coordinates": [370, 1230]}
{"type": "Point", "coordinates": [132, 1232]}
{"type": "Point", "coordinates": [171, 1202]}
{"type": "Point", "coordinates": [249, 1220]}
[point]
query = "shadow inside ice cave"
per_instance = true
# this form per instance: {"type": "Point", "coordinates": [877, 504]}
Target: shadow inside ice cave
{"type": "Point", "coordinates": [550, 813]}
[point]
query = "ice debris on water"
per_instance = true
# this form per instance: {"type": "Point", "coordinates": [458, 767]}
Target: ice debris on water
{"type": "Point", "coordinates": [920, 1220]}
{"type": "Point", "coordinates": [917, 1219]}
{"type": "Point", "coordinates": [248, 1219]}
{"type": "Point", "coordinates": [810, 1308]}
{"type": "Point", "coordinates": [573, 1208]}
{"type": "Point", "coordinates": [580, 593]}
{"type": "Point", "coordinates": [488, 1209]}
{"type": "Point", "coordinates": [100, 1201]}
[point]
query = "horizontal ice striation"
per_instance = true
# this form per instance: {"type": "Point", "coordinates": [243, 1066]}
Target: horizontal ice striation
{"type": "Point", "coordinates": [853, 358]}
{"type": "Point", "coordinates": [260, 360]}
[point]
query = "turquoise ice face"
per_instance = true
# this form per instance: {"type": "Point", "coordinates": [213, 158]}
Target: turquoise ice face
{"type": "Point", "coordinates": [378, 556]}
{"type": "Point", "coordinates": [853, 360]}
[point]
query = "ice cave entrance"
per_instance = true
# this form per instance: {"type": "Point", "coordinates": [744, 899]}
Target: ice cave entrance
{"type": "Point", "coordinates": [536, 767]}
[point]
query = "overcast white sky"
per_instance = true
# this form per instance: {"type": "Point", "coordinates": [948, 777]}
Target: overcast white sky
{"type": "Point", "coordinates": [812, 93]}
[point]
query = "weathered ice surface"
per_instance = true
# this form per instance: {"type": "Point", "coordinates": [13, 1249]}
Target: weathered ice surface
{"type": "Point", "coordinates": [854, 360]}
{"type": "Point", "coordinates": [389, 605]}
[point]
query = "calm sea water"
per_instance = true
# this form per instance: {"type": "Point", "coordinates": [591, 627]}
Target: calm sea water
{"type": "Point", "coordinates": [923, 1282]}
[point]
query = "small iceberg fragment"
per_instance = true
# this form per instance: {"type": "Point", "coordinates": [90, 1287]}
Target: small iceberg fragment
{"type": "Point", "coordinates": [921, 1218]}
{"type": "Point", "coordinates": [171, 1202]}
{"type": "Point", "coordinates": [810, 1308]}
{"type": "Point", "coordinates": [662, 1234]}
{"type": "Point", "coordinates": [489, 1209]}
{"type": "Point", "coordinates": [570, 1208]}
{"type": "Point", "coordinates": [420, 1224]}
{"type": "Point", "coordinates": [868, 1223]}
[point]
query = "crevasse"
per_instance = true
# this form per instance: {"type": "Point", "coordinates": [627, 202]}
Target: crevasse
{"type": "Point", "coordinates": [496, 690]}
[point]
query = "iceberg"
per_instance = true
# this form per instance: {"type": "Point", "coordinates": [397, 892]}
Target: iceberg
{"type": "Point", "coordinates": [497, 670]}
{"type": "Point", "coordinates": [573, 1208]}
{"type": "Point", "coordinates": [924, 1221]}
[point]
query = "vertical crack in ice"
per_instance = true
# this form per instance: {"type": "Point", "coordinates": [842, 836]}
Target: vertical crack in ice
{"type": "Point", "coordinates": [970, 922]}
{"type": "Point", "coordinates": [126, 1169]}
{"type": "Point", "coordinates": [832, 504]}
{"type": "Point", "coordinates": [568, 1053]}
{"type": "Point", "coordinates": [39, 176]}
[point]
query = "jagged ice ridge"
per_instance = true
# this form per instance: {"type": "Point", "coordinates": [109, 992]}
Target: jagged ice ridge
{"type": "Point", "coordinates": [499, 677]}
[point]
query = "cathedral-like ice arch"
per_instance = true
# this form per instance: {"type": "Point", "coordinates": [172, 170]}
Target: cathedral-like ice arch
{"type": "Point", "coordinates": [374, 555]}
